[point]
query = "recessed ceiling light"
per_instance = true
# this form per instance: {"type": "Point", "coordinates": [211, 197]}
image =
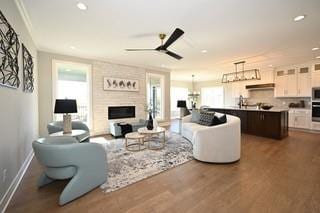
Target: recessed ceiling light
{"type": "Point", "coordinates": [72, 47]}
{"type": "Point", "coordinates": [318, 57]}
{"type": "Point", "coordinates": [82, 6]}
{"type": "Point", "coordinates": [315, 48]}
{"type": "Point", "coordinates": [68, 70]}
{"type": "Point", "coordinates": [204, 51]}
{"type": "Point", "coordinates": [299, 18]}
{"type": "Point", "coordinates": [270, 65]}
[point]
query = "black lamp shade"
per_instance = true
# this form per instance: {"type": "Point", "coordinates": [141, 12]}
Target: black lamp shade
{"type": "Point", "coordinates": [65, 106]}
{"type": "Point", "coordinates": [181, 103]}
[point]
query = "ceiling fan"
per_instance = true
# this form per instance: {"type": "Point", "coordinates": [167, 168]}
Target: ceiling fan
{"type": "Point", "coordinates": [163, 47]}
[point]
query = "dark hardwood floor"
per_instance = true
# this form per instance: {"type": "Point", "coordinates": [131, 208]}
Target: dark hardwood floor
{"type": "Point", "coordinates": [272, 176]}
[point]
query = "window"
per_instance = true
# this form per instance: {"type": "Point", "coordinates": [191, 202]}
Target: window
{"type": "Point", "coordinates": [177, 93]}
{"type": "Point", "coordinates": [212, 96]}
{"type": "Point", "coordinates": [155, 95]}
{"type": "Point", "coordinates": [73, 81]}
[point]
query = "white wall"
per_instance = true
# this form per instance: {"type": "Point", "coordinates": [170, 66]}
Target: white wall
{"type": "Point", "coordinates": [100, 99]}
{"type": "Point", "coordinates": [18, 110]}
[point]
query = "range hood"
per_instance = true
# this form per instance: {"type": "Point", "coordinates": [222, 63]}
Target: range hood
{"type": "Point", "coordinates": [260, 86]}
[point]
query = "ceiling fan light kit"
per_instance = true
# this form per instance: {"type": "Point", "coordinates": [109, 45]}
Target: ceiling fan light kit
{"type": "Point", "coordinates": [163, 48]}
{"type": "Point", "coordinates": [243, 75]}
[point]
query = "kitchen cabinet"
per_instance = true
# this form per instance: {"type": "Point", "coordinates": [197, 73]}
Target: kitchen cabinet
{"type": "Point", "coordinates": [268, 124]}
{"type": "Point", "coordinates": [304, 82]}
{"type": "Point", "coordinates": [315, 75]}
{"type": "Point", "coordinates": [293, 82]}
{"type": "Point", "coordinates": [286, 83]}
{"type": "Point", "coordinates": [280, 84]}
{"type": "Point", "coordinates": [260, 122]}
{"type": "Point", "coordinates": [315, 125]}
{"type": "Point", "coordinates": [255, 125]}
{"type": "Point", "coordinates": [300, 118]}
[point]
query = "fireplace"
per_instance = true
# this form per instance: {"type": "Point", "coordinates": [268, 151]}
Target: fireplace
{"type": "Point", "coordinates": [116, 112]}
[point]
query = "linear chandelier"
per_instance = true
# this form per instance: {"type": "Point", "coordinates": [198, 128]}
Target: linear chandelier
{"type": "Point", "coordinates": [243, 75]}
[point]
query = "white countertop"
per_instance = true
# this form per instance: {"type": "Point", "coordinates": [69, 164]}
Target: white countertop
{"type": "Point", "coordinates": [273, 109]}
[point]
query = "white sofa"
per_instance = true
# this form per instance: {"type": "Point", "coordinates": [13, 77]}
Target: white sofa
{"type": "Point", "coordinates": [215, 144]}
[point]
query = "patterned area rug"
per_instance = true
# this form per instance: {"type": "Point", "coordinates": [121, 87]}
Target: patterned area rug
{"type": "Point", "coordinates": [127, 167]}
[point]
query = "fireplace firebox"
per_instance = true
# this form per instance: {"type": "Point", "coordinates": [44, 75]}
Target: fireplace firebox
{"type": "Point", "coordinates": [117, 112]}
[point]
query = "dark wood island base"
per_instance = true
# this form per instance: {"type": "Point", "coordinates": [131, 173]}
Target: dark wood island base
{"type": "Point", "coordinates": [265, 123]}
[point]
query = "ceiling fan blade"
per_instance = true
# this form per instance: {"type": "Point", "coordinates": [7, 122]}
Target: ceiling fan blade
{"type": "Point", "coordinates": [174, 36]}
{"type": "Point", "coordinates": [172, 54]}
{"type": "Point", "coordinates": [139, 49]}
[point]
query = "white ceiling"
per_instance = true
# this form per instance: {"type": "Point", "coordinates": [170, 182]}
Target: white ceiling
{"type": "Point", "coordinates": [260, 31]}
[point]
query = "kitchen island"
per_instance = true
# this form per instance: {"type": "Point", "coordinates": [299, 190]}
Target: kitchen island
{"type": "Point", "coordinates": [271, 123]}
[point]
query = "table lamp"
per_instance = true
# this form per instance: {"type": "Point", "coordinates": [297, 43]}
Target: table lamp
{"type": "Point", "coordinates": [66, 106]}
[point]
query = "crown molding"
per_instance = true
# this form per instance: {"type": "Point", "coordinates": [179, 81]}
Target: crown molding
{"type": "Point", "coordinates": [25, 17]}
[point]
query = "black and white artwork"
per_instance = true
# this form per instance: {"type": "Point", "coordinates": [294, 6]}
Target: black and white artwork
{"type": "Point", "coordinates": [27, 70]}
{"type": "Point", "coordinates": [119, 84]}
{"type": "Point", "coordinates": [9, 51]}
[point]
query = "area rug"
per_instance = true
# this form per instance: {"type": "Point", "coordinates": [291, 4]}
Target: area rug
{"type": "Point", "coordinates": [127, 167]}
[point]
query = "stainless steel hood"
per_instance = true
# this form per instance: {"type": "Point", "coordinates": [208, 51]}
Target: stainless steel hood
{"type": "Point", "coordinates": [260, 86]}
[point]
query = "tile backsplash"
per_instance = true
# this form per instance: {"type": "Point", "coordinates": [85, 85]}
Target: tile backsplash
{"type": "Point", "coordinates": [267, 96]}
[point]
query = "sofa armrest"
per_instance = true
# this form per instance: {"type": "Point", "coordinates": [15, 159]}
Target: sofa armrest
{"type": "Point", "coordinates": [186, 119]}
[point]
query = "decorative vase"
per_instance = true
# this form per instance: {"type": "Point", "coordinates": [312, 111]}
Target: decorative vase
{"type": "Point", "coordinates": [150, 122]}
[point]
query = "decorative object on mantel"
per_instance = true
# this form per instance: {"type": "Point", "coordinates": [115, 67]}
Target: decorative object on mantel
{"type": "Point", "coordinates": [27, 70]}
{"type": "Point", "coordinates": [66, 106]}
{"type": "Point", "coordinates": [9, 51]}
{"type": "Point", "coordinates": [126, 167]}
{"type": "Point", "coordinates": [194, 95]}
{"type": "Point", "coordinates": [243, 75]}
{"type": "Point", "coordinates": [118, 84]}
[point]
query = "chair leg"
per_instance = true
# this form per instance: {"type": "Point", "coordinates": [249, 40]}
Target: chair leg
{"type": "Point", "coordinates": [44, 180]}
{"type": "Point", "coordinates": [79, 185]}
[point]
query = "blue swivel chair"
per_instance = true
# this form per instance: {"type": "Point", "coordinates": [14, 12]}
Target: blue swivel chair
{"type": "Point", "coordinates": [63, 157]}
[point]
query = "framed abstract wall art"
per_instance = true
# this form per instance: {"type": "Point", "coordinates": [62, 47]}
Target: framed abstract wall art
{"type": "Point", "coordinates": [27, 70]}
{"type": "Point", "coordinates": [9, 52]}
{"type": "Point", "coordinates": [119, 84]}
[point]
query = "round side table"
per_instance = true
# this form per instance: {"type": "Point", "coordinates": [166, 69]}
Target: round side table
{"type": "Point", "coordinates": [138, 141]}
{"type": "Point", "coordinates": [79, 134]}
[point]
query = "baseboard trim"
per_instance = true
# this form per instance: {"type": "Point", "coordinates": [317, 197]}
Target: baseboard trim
{"type": "Point", "coordinates": [5, 200]}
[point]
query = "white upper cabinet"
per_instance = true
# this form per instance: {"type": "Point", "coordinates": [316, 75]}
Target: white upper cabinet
{"type": "Point", "coordinates": [304, 82]}
{"type": "Point", "coordinates": [293, 82]}
{"type": "Point", "coordinates": [280, 81]}
{"type": "Point", "coordinates": [315, 75]}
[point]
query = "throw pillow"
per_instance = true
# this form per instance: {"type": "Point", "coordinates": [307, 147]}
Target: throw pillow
{"type": "Point", "coordinates": [195, 116]}
{"type": "Point", "coordinates": [219, 119]}
{"type": "Point", "coordinates": [206, 118]}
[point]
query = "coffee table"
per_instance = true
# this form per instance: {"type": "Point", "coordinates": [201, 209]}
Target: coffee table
{"type": "Point", "coordinates": [139, 140]}
{"type": "Point", "coordinates": [158, 131]}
